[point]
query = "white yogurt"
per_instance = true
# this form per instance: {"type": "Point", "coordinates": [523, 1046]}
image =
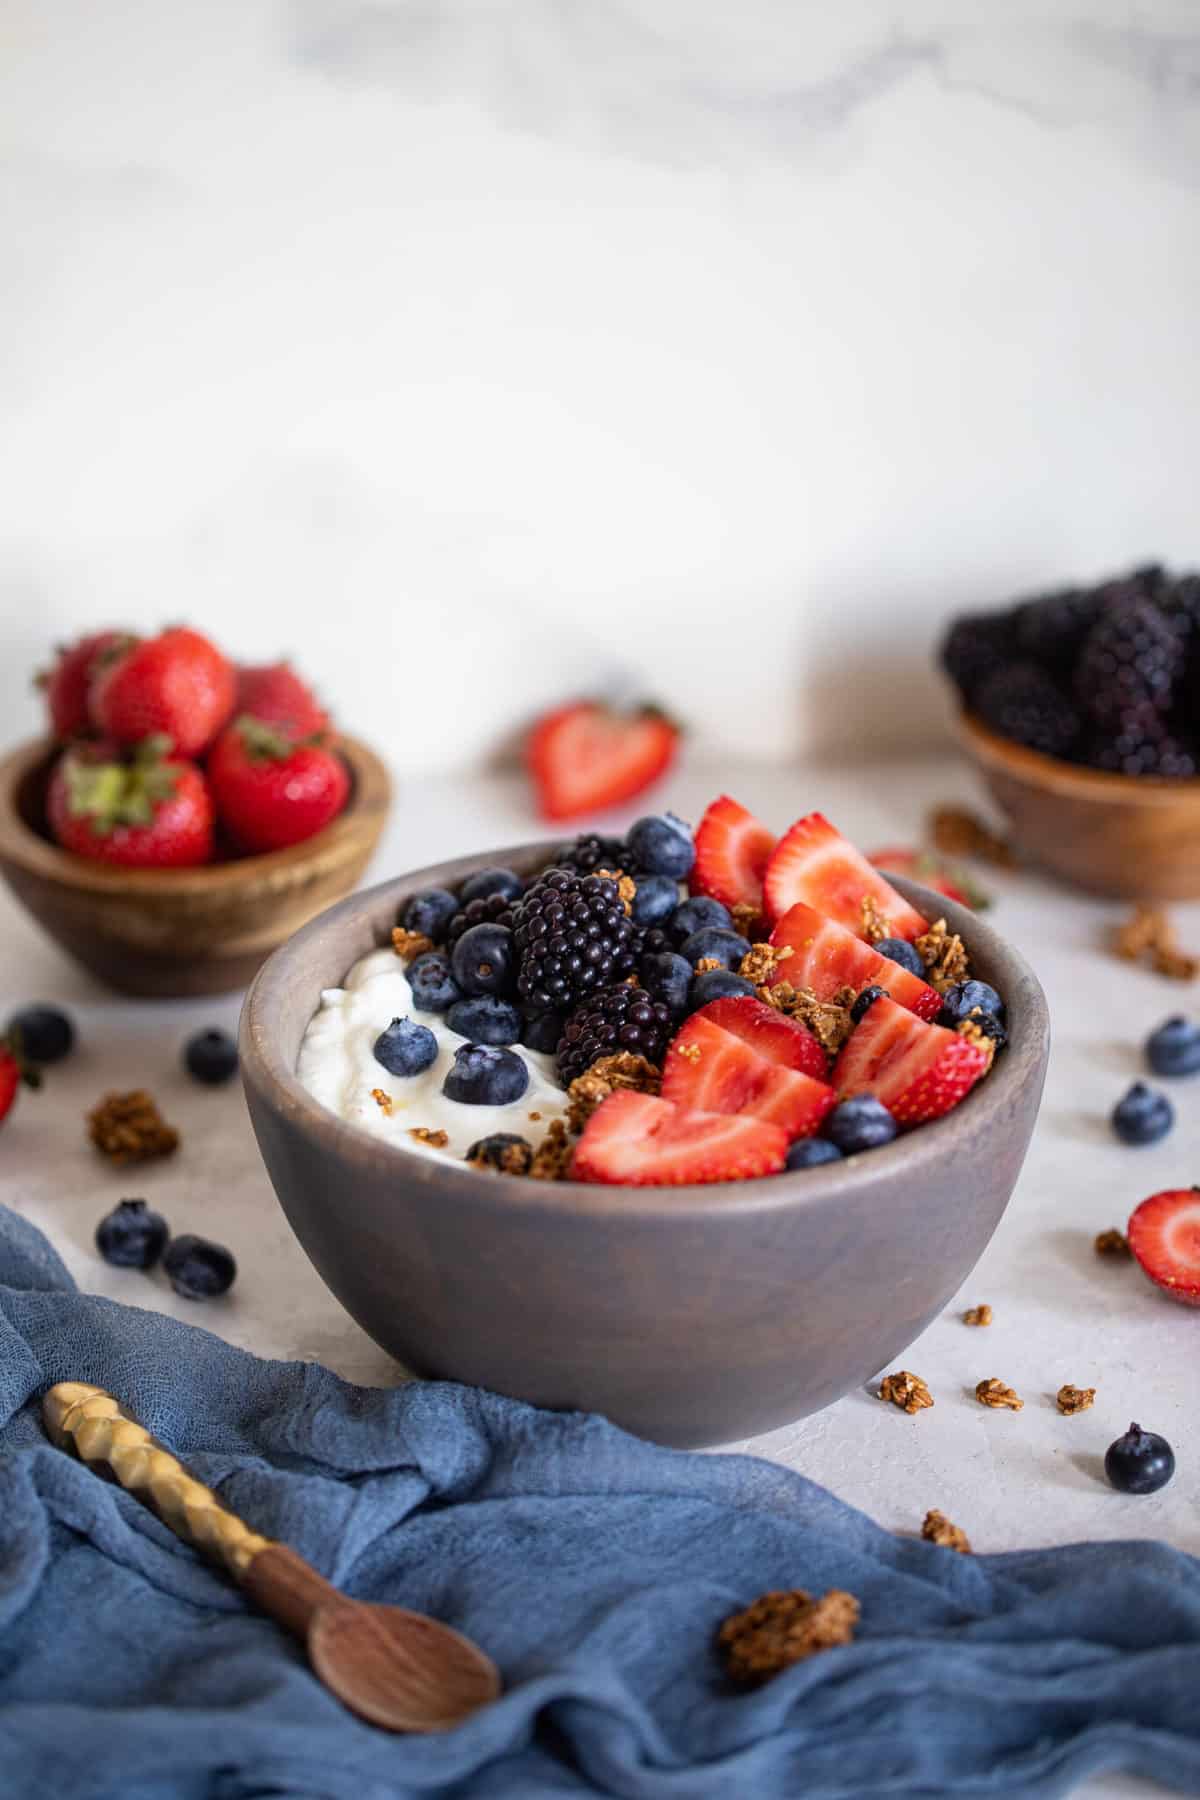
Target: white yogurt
{"type": "Point", "coordinates": [337, 1065]}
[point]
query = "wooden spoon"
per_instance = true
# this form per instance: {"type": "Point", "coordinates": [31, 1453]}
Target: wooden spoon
{"type": "Point", "coordinates": [394, 1668]}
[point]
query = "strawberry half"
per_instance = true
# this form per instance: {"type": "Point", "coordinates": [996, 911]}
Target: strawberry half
{"type": "Point", "coordinates": [586, 757]}
{"type": "Point", "coordinates": [919, 1071]}
{"type": "Point", "coordinates": [813, 862]}
{"type": "Point", "coordinates": [635, 1140]}
{"type": "Point", "coordinates": [732, 853]}
{"type": "Point", "coordinates": [1164, 1235]}
{"type": "Point", "coordinates": [826, 957]}
{"type": "Point", "coordinates": [731, 1057]}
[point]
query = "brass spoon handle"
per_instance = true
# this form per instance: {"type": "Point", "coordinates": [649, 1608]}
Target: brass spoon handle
{"type": "Point", "coordinates": [89, 1422]}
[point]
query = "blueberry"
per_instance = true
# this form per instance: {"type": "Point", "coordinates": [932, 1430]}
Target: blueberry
{"type": "Point", "coordinates": [542, 1032]}
{"type": "Point", "coordinates": [131, 1236]}
{"type": "Point", "coordinates": [865, 1002]}
{"type": "Point", "coordinates": [484, 960]}
{"type": "Point", "coordinates": [694, 914]}
{"type": "Point", "coordinates": [806, 1153]}
{"type": "Point", "coordinates": [663, 846]}
{"type": "Point", "coordinates": [483, 1075]}
{"type": "Point", "coordinates": [656, 898]}
{"type": "Point", "coordinates": [405, 1048]}
{"type": "Point", "coordinates": [863, 1123]}
{"type": "Point", "coordinates": [897, 951]}
{"type": "Point", "coordinates": [429, 912]}
{"type": "Point", "coordinates": [966, 997]}
{"type": "Point", "coordinates": [1142, 1116]}
{"type": "Point", "coordinates": [433, 986]}
{"type": "Point", "coordinates": [486, 1019]}
{"type": "Point", "coordinates": [716, 984]}
{"type": "Point", "coordinates": [198, 1269]}
{"type": "Point", "coordinates": [667, 977]}
{"type": "Point", "coordinates": [211, 1056]}
{"type": "Point", "coordinates": [1174, 1048]}
{"type": "Point", "coordinates": [45, 1034]}
{"type": "Point", "coordinates": [712, 940]}
{"type": "Point", "coordinates": [491, 881]}
{"type": "Point", "coordinates": [1140, 1462]}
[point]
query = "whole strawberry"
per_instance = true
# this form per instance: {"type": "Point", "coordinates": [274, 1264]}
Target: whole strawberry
{"type": "Point", "coordinates": [13, 1071]}
{"type": "Point", "coordinates": [274, 693]}
{"type": "Point", "coordinates": [67, 684]}
{"type": "Point", "coordinates": [153, 812]}
{"type": "Point", "coordinates": [176, 685]}
{"type": "Point", "coordinates": [271, 791]}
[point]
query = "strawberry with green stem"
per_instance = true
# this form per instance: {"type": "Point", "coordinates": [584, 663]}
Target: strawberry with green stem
{"type": "Point", "coordinates": [152, 811]}
{"type": "Point", "coordinates": [271, 790]}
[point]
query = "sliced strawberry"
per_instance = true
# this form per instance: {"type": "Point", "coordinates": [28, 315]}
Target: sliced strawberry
{"type": "Point", "coordinates": [826, 957]}
{"type": "Point", "coordinates": [918, 1070]}
{"type": "Point", "coordinates": [1164, 1235]}
{"type": "Point", "coordinates": [585, 757]}
{"type": "Point", "coordinates": [714, 1069]}
{"type": "Point", "coordinates": [770, 1033]}
{"type": "Point", "coordinates": [635, 1140]}
{"type": "Point", "coordinates": [813, 862]}
{"type": "Point", "coordinates": [732, 851]}
{"type": "Point", "coordinates": [932, 872]}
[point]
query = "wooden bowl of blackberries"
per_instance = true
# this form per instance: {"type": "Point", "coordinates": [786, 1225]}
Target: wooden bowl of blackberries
{"type": "Point", "coordinates": [1081, 709]}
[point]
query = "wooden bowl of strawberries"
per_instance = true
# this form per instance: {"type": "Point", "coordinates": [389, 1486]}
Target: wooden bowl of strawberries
{"type": "Point", "coordinates": [183, 816]}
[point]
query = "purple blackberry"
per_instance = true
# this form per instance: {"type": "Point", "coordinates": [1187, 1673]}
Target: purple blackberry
{"type": "Point", "coordinates": [974, 647]}
{"type": "Point", "coordinates": [1023, 703]}
{"type": "Point", "coordinates": [1050, 630]}
{"type": "Point", "coordinates": [492, 909]}
{"type": "Point", "coordinates": [1129, 661]}
{"type": "Point", "coordinates": [614, 1019]}
{"type": "Point", "coordinates": [590, 852]}
{"type": "Point", "coordinates": [573, 936]}
{"type": "Point", "coordinates": [1142, 745]}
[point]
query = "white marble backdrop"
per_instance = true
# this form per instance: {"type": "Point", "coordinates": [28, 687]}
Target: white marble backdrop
{"type": "Point", "coordinates": [477, 350]}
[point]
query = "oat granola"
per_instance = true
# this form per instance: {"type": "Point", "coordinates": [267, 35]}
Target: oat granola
{"type": "Point", "coordinates": [410, 944]}
{"type": "Point", "coordinates": [552, 1158]}
{"type": "Point", "coordinates": [129, 1128]}
{"type": "Point", "coordinates": [828, 1020]}
{"type": "Point", "coordinates": [874, 926]}
{"type": "Point", "coordinates": [905, 1390]}
{"type": "Point", "coordinates": [437, 1140]}
{"type": "Point", "coordinates": [781, 1628]}
{"type": "Point", "coordinates": [994, 1393]}
{"type": "Point", "coordinates": [944, 955]}
{"type": "Point", "coordinates": [1112, 1243]}
{"type": "Point", "coordinates": [383, 1101]}
{"type": "Point", "coordinates": [606, 1075]}
{"type": "Point", "coordinates": [761, 961]}
{"type": "Point", "coordinates": [978, 1315]}
{"type": "Point", "coordinates": [1074, 1399]}
{"type": "Point", "coordinates": [938, 1529]}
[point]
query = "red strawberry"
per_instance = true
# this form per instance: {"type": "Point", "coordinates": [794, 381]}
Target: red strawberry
{"type": "Point", "coordinates": [814, 862]}
{"type": "Point", "coordinates": [739, 1056]}
{"type": "Point", "coordinates": [918, 1070]}
{"type": "Point", "coordinates": [176, 685]}
{"type": "Point", "coordinates": [1164, 1235]}
{"type": "Point", "coordinates": [270, 791]}
{"type": "Point", "coordinates": [152, 813]}
{"type": "Point", "coordinates": [66, 685]}
{"type": "Point", "coordinates": [943, 877]}
{"type": "Point", "coordinates": [585, 757]}
{"type": "Point", "coordinates": [634, 1140]}
{"type": "Point", "coordinates": [826, 957]}
{"type": "Point", "coordinates": [732, 851]}
{"type": "Point", "coordinates": [274, 693]}
{"type": "Point", "coordinates": [13, 1071]}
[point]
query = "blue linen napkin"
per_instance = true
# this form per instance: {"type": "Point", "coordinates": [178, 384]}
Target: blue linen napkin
{"type": "Point", "coordinates": [594, 1567]}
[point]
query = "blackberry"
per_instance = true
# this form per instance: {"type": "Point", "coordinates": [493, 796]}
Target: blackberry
{"type": "Point", "coordinates": [1021, 702]}
{"type": "Point", "coordinates": [490, 909]}
{"type": "Point", "coordinates": [976, 646]}
{"type": "Point", "coordinates": [1050, 630]}
{"type": "Point", "coordinates": [1142, 745]}
{"type": "Point", "coordinates": [616, 1018]}
{"type": "Point", "coordinates": [1129, 661]}
{"type": "Point", "coordinates": [573, 936]}
{"type": "Point", "coordinates": [654, 941]}
{"type": "Point", "coordinates": [590, 852]}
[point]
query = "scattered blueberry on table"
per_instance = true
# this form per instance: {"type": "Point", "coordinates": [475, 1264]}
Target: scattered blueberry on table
{"type": "Point", "coordinates": [1142, 1116]}
{"type": "Point", "coordinates": [131, 1236]}
{"type": "Point", "coordinates": [211, 1057]}
{"type": "Point", "coordinates": [45, 1034]}
{"type": "Point", "coordinates": [198, 1269]}
{"type": "Point", "coordinates": [1139, 1462]}
{"type": "Point", "coordinates": [1173, 1048]}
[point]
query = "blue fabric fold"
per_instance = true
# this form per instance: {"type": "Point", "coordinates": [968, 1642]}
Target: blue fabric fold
{"type": "Point", "coordinates": [594, 1568]}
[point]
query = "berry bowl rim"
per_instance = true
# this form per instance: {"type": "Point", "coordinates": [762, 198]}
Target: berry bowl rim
{"type": "Point", "coordinates": [1052, 773]}
{"type": "Point", "coordinates": [288, 969]}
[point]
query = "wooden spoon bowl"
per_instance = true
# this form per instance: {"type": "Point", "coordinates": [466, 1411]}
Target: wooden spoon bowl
{"type": "Point", "coordinates": [174, 932]}
{"type": "Point", "coordinates": [1126, 836]}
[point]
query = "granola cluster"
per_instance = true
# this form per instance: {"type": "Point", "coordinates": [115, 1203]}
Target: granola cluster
{"type": "Point", "coordinates": [1148, 935]}
{"type": "Point", "coordinates": [975, 1033]}
{"type": "Point", "coordinates": [383, 1101]}
{"type": "Point", "coordinates": [606, 1075]}
{"type": "Point", "coordinates": [1074, 1399]}
{"type": "Point", "coordinates": [437, 1140]}
{"type": "Point", "coordinates": [761, 961]}
{"type": "Point", "coordinates": [978, 1315]}
{"type": "Point", "coordinates": [1112, 1243]}
{"type": "Point", "coordinates": [783, 1627]}
{"type": "Point", "coordinates": [410, 944]}
{"type": "Point", "coordinates": [828, 1020]}
{"type": "Point", "coordinates": [874, 926]}
{"type": "Point", "coordinates": [905, 1390]}
{"type": "Point", "coordinates": [129, 1128]}
{"type": "Point", "coordinates": [938, 1529]}
{"type": "Point", "coordinates": [552, 1158]}
{"type": "Point", "coordinates": [994, 1393]}
{"type": "Point", "coordinates": [944, 955]}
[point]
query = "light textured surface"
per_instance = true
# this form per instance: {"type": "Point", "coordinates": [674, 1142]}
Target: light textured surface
{"type": "Point", "coordinates": [362, 324]}
{"type": "Point", "coordinates": [1061, 1313]}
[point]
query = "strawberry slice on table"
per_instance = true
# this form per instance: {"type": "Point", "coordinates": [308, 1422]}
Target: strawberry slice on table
{"type": "Point", "coordinates": [732, 853]}
{"type": "Point", "coordinates": [932, 871]}
{"type": "Point", "coordinates": [813, 862]}
{"type": "Point", "coordinates": [152, 812]}
{"type": "Point", "coordinates": [1164, 1235]}
{"type": "Point", "coordinates": [636, 1140]}
{"type": "Point", "coordinates": [732, 1057]}
{"type": "Point", "coordinates": [13, 1071]}
{"type": "Point", "coordinates": [586, 757]}
{"type": "Point", "coordinates": [918, 1070]}
{"type": "Point", "coordinates": [826, 957]}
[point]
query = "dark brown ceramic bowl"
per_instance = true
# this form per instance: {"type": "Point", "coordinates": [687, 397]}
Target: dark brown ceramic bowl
{"type": "Point", "coordinates": [176, 932]}
{"type": "Point", "coordinates": [692, 1315]}
{"type": "Point", "coordinates": [1126, 836]}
